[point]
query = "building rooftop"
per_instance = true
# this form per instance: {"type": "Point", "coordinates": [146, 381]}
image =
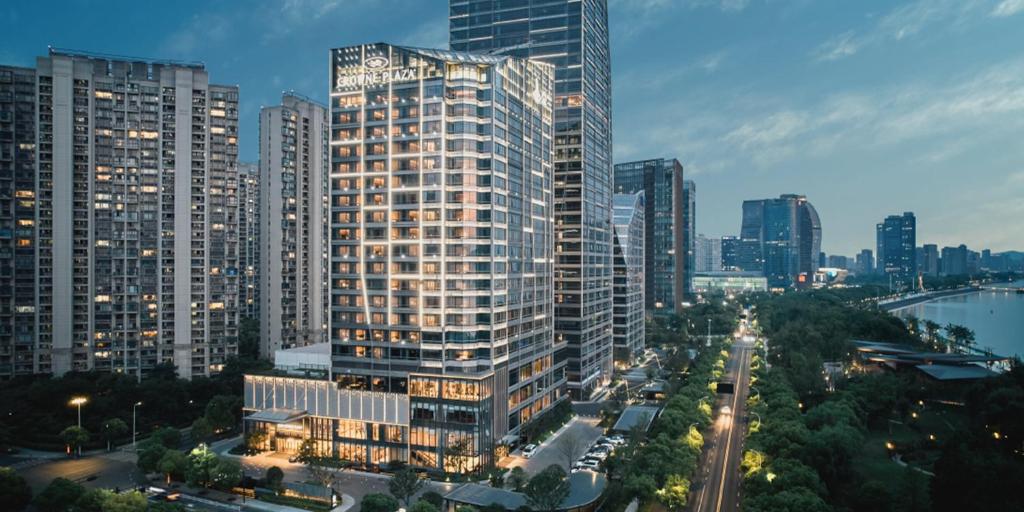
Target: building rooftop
{"type": "Point", "coordinates": [636, 415]}
{"type": "Point", "coordinates": [951, 372]}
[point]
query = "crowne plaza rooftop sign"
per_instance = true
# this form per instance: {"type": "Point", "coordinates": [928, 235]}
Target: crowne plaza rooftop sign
{"type": "Point", "coordinates": [374, 71]}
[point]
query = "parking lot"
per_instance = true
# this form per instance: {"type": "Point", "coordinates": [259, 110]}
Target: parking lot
{"type": "Point", "coordinates": [583, 428]}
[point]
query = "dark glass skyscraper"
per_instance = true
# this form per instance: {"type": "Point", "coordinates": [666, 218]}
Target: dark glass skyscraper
{"type": "Point", "coordinates": [896, 240]}
{"type": "Point", "coordinates": [661, 180]}
{"type": "Point", "coordinates": [573, 36]}
{"type": "Point", "coordinates": [689, 234]}
{"type": "Point", "coordinates": [789, 233]}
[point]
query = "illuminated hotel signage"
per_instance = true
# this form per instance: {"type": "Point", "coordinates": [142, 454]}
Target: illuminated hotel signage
{"type": "Point", "coordinates": [373, 72]}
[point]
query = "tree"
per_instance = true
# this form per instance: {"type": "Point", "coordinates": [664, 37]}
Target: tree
{"type": "Point", "coordinates": [457, 454]}
{"type": "Point", "coordinates": [56, 496]}
{"type": "Point", "coordinates": [74, 437]}
{"type": "Point", "coordinates": [423, 506]}
{"type": "Point", "coordinates": [962, 336]}
{"type": "Point", "coordinates": [201, 466]}
{"type": "Point", "coordinates": [249, 338]}
{"type": "Point", "coordinates": [149, 455]}
{"type": "Point", "coordinates": [113, 429]}
{"type": "Point", "coordinates": [201, 430]}
{"type": "Point", "coordinates": [15, 491]}
{"type": "Point", "coordinates": [223, 412]}
{"type": "Point", "coordinates": [496, 479]}
{"type": "Point", "coordinates": [226, 473]}
{"type": "Point", "coordinates": [547, 489]}
{"type": "Point", "coordinates": [316, 465]}
{"type": "Point", "coordinates": [255, 441]}
{"type": "Point", "coordinates": [91, 500]}
{"type": "Point", "coordinates": [173, 464]}
{"type": "Point", "coordinates": [433, 497]}
{"type": "Point", "coordinates": [676, 492]}
{"type": "Point", "coordinates": [517, 479]}
{"type": "Point", "coordinates": [570, 446]}
{"type": "Point", "coordinates": [404, 484]}
{"type": "Point", "coordinates": [169, 437]}
{"type": "Point", "coordinates": [274, 478]}
{"type": "Point", "coordinates": [377, 502]}
{"type": "Point", "coordinates": [132, 501]}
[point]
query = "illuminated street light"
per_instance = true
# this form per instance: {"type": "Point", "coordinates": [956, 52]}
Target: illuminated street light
{"type": "Point", "coordinates": [79, 401]}
{"type": "Point", "coordinates": [890, 446]}
{"type": "Point", "coordinates": [134, 406]}
{"type": "Point", "coordinates": [996, 435]}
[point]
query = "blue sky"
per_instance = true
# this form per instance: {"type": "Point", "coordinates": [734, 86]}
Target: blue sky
{"type": "Point", "coordinates": [868, 107]}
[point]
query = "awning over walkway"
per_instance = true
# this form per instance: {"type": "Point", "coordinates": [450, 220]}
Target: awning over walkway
{"type": "Point", "coordinates": [277, 415]}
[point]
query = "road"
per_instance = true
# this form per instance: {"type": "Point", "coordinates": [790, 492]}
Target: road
{"type": "Point", "coordinates": [108, 470]}
{"type": "Point", "coordinates": [585, 429]}
{"type": "Point", "coordinates": [718, 483]}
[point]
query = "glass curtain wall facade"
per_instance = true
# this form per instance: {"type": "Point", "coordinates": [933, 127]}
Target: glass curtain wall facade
{"type": "Point", "coordinates": [628, 313]}
{"type": "Point", "coordinates": [897, 243]}
{"type": "Point", "coordinates": [689, 235]}
{"type": "Point", "coordinates": [661, 181]}
{"type": "Point", "coordinates": [789, 233]}
{"type": "Point", "coordinates": [572, 35]}
{"type": "Point", "coordinates": [133, 237]}
{"type": "Point", "coordinates": [441, 244]}
{"type": "Point", "coordinates": [293, 240]}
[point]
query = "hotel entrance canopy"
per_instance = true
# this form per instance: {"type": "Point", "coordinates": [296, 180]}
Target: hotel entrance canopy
{"type": "Point", "coordinates": [277, 415]}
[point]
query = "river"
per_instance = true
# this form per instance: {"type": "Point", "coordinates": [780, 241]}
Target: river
{"type": "Point", "coordinates": [996, 317]}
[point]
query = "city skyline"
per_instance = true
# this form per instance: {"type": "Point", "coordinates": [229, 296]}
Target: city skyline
{"type": "Point", "coordinates": [809, 114]}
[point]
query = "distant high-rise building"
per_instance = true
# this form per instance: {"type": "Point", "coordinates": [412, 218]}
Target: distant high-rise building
{"type": "Point", "coordinates": [837, 261]}
{"type": "Point", "coordinates": [628, 298]}
{"type": "Point", "coordinates": [661, 181]}
{"type": "Point", "coordinates": [865, 262]}
{"type": "Point", "coordinates": [248, 239]}
{"type": "Point", "coordinates": [822, 259]}
{"type": "Point", "coordinates": [708, 254]}
{"type": "Point", "coordinates": [125, 211]}
{"type": "Point", "coordinates": [689, 233]}
{"type": "Point", "coordinates": [896, 240]}
{"type": "Point", "coordinates": [973, 262]}
{"type": "Point", "coordinates": [789, 231]}
{"type": "Point", "coordinates": [929, 264]}
{"type": "Point", "coordinates": [293, 235]}
{"type": "Point", "coordinates": [571, 35]}
{"type": "Point", "coordinates": [954, 261]}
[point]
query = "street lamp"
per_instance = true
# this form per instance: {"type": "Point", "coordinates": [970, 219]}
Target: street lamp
{"type": "Point", "coordinates": [134, 406]}
{"type": "Point", "coordinates": [758, 418]}
{"type": "Point", "coordinates": [79, 401]}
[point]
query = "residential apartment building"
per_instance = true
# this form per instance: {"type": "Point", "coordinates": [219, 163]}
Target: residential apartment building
{"type": "Point", "coordinates": [18, 225]}
{"type": "Point", "coordinates": [249, 240]}
{"type": "Point", "coordinates": [572, 35]}
{"type": "Point", "coordinates": [665, 252]}
{"type": "Point", "coordinates": [293, 296]}
{"type": "Point", "coordinates": [441, 263]}
{"type": "Point", "coordinates": [129, 228]}
{"type": "Point", "coordinates": [628, 297]}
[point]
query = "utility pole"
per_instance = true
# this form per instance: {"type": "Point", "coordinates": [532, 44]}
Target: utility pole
{"type": "Point", "coordinates": [134, 406]}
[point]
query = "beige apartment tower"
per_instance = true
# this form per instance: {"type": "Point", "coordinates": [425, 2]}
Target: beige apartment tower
{"type": "Point", "coordinates": [293, 224]}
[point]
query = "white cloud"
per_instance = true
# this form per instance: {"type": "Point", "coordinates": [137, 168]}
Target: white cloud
{"type": "Point", "coordinates": [1008, 8]}
{"type": "Point", "coordinates": [904, 22]}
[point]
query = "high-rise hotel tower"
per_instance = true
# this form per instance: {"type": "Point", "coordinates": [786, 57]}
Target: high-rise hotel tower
{"type": "Point", "coordinates": [441, 262]}
{"type": "Point", "coordinates": [128, 230]}
{"type": "Point", "coordinates": [572, 35]}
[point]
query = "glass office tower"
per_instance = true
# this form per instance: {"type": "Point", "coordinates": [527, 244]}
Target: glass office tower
{"type": "Point", "coordinates": [628, 313]}
{"type": "Point", "coordinates": [441, 263]}
{"type": "Point", "coordinates": [665, 227]}
{"type": "Point", "coordinates": [573, 36]}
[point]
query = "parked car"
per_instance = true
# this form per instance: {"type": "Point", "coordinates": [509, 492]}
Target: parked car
{"type": "Point", "coordinates": [587, 463]}
{"type": "Point", "coordinates": [617, 440]}
{"type": "Point", "coordinates": [529, 450]}
{"type": "Point", "coordinates": [598, 454]}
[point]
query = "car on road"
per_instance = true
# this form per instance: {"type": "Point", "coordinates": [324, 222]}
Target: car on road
{"type": "Point", "coordinates": [529, 450]}
{"type": "Point", "coordinates": [616, 439]}
{"type": "Point", "coordinates": [726, 410]}
{"type": "Point", "coordinates": [587, 463]}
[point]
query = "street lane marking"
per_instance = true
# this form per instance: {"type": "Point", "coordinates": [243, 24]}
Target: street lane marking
{"type": "Point", "coordinates": [728, 442]}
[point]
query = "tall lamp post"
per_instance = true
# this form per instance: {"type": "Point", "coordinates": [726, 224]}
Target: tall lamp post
{"type": "Point", "coordinates": [79, 401]}
{"type": "Point", "coordinates": [134, 407]}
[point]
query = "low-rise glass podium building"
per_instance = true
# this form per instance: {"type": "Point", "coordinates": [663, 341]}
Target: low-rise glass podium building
{"type": "Point", "coordinates": [441, 263]}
